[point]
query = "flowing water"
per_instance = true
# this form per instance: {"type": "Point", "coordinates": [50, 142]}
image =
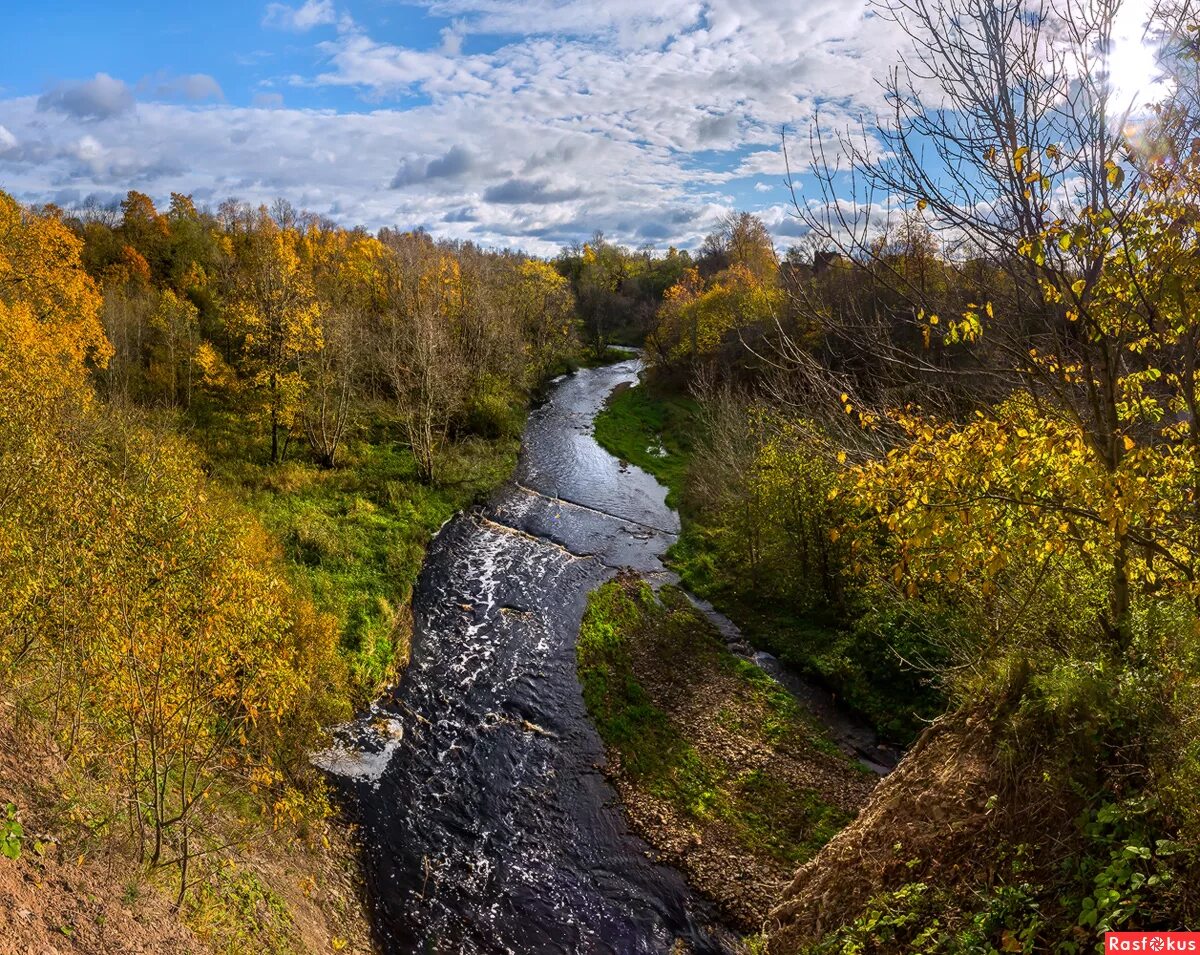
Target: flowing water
{"type": "Point", "coordinates": [487, 823]}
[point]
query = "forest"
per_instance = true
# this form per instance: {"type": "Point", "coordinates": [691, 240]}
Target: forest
{"type": "Point", "coordinates": [942, 457]}
{"type": "Point", "coordinates": [226, 439]}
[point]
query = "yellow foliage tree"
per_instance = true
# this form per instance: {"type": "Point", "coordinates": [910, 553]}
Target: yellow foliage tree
{"type": "Point", "coordinates": [276, 316]}
{"type": "Point", "coordinates": [693, 323]}
{"type": "Point", "coordinates": [144, 619]}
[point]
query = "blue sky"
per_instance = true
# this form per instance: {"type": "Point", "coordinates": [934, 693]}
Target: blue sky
{"type": "Point", "coordinates": [527, 124]}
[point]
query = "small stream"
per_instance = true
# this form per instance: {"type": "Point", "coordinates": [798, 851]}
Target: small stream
{"type": "Point", "coordinates": [487, 824]}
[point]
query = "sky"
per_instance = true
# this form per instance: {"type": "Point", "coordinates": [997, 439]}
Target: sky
{"type": "Point", "coordinates": [524, 124]}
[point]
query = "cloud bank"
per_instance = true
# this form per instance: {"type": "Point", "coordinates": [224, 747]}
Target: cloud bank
{"type": "Point", "coordinates": [526, 124]}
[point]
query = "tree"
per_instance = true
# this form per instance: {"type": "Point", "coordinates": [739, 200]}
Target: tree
{"type": "Point", "coordinates": [417, 348]}
{"type": "Point", "coordinates": [541, 302]}
{"type": "Point", "coordinates": [144, 230]}
{"type": "Point", "coordinates": [346, 273]}
{"type": "Point", "coordinates": [40, 270]}
{"type": "Point", "coordinates": [696, 319]}
{"type": "Point", "coordinates": [742, 240]}
{"type": "Point", "coordinates": [176, 322]}
{"type": "Point", "coordinates": [1004, 137]}
{"type": "Point", "coordinates": [275, 315]}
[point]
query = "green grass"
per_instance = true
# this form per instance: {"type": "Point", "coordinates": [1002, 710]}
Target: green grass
{"type": "Point", "coordinates": [653, 431]}
{"type": "Point", "coordinates": [768, 815]}
{"type": "Point", "coordinates": [355, 536]}
{"type": "Point", "coordinates": [857, 655]}
{"type": "Point", "coordinates": [853, 654]}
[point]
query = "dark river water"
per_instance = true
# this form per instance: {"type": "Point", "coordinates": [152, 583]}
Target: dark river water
{"type": "Point", "coordinates": [487, 823]}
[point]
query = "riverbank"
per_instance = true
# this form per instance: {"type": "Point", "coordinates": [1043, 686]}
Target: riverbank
{"type": "Point", "coordinates": [486, 822]}
{"type": "Point", "coordinates": [72, 883]}
{"type": "Point", "coordinates": [717, 766]}
{"type": "Point", "coordinates": [268, 874]}
{"type": "Point", "coordinates": [354, 536]}
{"type": "Point", "coordinates": [857, 653]}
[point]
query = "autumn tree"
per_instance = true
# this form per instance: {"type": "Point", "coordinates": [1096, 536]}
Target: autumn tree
{"type": "Point", "coordinates": [417, 349]}
{"type": "Point", "coordinates": [347, 272]}
{"type": "Point", "coordinates": [742, 240]}
{"type": "Point", "coordinates": [541, 303]}
{"type": "Point", "coordinates": [145, 620]}
{"type": "Point", "coordinates": [1086, 304]}
{"type": "Point", "coordinates": [697, 318]}
{"type": "Point", "coordinates": [144, 229]}
{"type": "Point", "coordinates": [274, 314]}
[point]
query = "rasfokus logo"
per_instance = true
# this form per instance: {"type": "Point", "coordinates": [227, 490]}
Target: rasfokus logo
{"type": "Point", "coordinates": [1152, 941]}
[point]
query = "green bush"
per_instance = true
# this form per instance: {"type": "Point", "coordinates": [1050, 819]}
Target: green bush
{"type": "Point", "coordinates": [494, 409]}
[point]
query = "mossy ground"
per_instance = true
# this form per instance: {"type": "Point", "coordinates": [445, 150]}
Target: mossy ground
{"type": "Point", "coordinates": [715, 762]}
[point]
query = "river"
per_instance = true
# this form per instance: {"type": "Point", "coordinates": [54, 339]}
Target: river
{"type": "Point", "coordinates": [487, 824]}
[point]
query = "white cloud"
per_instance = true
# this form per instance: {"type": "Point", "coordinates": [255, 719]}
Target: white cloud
{"type": "Point", "coordinates": [623, 116]}
{"type": "Point", "coordinates": [452, 38]}
{"type": "Point", "coordinates": [312, 13]}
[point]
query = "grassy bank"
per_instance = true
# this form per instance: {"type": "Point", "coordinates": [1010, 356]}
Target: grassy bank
{"type": "Point", "coordinates": [717, 765]}
{"type": "Point", "coordinates": [857, 652]}
{"type": "Point", "coordinates": [355, 535]}
{"type": "Point", "coordinates": [652, 430]}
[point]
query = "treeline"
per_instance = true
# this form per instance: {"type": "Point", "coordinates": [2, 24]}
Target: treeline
{"type": "Point", "coordinates": [617, 290]}
{"type": "Point", "coordinates": [294, 321]}
{"type": "Point", "coordinates": [338, 380]}
{"type": "Point", "coordinates": [951, 461]}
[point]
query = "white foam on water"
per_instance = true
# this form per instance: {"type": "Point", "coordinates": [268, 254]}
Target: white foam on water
{"type": "Point", "coordinates": [366, 751]}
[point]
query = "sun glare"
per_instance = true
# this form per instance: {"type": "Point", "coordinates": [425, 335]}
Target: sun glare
{"type": "Point", "coordinates": [1135, 75]}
